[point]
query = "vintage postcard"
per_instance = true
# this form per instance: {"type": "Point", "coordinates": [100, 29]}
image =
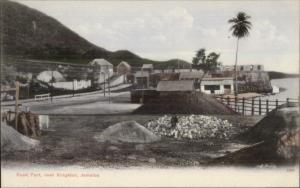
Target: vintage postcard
{"type": "Point", "coordinates": [189, 93]}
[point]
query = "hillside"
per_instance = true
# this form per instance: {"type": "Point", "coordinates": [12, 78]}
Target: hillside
{"type": "Point", "coordinates": [278, 75]}
{"type": "Point", "coordinates": [30, 34]}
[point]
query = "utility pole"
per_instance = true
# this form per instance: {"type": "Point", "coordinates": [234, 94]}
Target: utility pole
{"type": "Point", "coordinates": [17, 104]}
{"type": "Point", "coordinates": [142, 71]}
{"type": "Point", "coordinates": [28, 88]}
{"type": "Point", "coordinates": [104, 83]}
{"type": "Point", "coordinates": [108, 87]}
{"type": "Point", "coordinates": [73, 87]}
{"type": "Point", "coordinates": [51, 84]}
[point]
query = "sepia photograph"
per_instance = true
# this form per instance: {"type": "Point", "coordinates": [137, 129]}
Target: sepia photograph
{"type": "Point", "coordinates": [150, 93]}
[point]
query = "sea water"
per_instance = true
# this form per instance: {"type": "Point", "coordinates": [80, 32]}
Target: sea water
{"type": "Point", "coordinates": [290, 86]}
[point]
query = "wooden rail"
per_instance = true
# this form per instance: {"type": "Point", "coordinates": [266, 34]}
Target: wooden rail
{"type": "Point", "coordinates": [42, 97]}
{"type": "Point", "coordinates": [255, 106]}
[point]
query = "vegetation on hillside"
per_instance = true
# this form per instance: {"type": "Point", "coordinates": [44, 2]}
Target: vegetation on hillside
{"type": "Point", "coordinates": [30, 34]}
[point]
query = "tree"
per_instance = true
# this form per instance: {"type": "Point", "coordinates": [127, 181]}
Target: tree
{"type": "Point", "coordinates": [205, 63]}
{"type": "Point", "coordinates": [240, 28]}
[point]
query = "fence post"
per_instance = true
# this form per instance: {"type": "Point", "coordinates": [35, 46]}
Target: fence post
{"type": "Point", "coordinates": [267, 106]}
{"type": "Point", "coordinates": [52, 85]}
{"type": "Point", "coordinates": [276, 103]}
{"type": "Point", "coordinates": [287, 102]}
{"type": "Point", "coordinates": [228, 102]}
{"type": "Point", "coordinates": [243, 109]}
{"type": "Point", "coordinates": [259, 101]}
{"type": "Point", "coordinates": [9, 115]}
{"type": "Point", "coordinates": [252, 107]}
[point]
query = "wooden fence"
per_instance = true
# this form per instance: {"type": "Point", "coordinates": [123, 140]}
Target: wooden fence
{"type": "Point", "coordinates": [255, 106]}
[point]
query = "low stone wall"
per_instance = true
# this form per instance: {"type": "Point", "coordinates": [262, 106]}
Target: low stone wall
{"type": "Point", "coordinates": [82, 84]}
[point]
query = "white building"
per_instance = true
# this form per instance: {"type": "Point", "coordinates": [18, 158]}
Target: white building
{"type": "Point", "coordinates": [103, 65]}
{"type": "Point", "coordinates": [74, 85]}
{"type": "Point", "coordinates": [103, 69]}
{"type": "Point", "coordinates": [221, 85]}
{"type": "Point", "coordinates": [147, 67]}
{"type": "Point", "coordinates": [46, 76]}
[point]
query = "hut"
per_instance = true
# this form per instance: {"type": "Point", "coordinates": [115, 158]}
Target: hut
{"type": "Point", "coordinates": [103, 65]}
{"type": "Point", "coordinates": [141, 79]}
{"type": "Point", "coordinates": [123, 68]}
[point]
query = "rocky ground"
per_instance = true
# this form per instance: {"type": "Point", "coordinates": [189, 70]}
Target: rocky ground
{"type": "Point", "coordinates": [70, 141]}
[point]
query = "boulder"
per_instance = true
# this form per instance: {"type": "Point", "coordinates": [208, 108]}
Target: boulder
{"type": "Point", "coordinates": [275, 139]}
{"type": "Point", "coordinates": [127, 131]}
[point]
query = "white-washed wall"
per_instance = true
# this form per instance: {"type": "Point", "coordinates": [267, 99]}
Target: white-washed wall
{"type": "Point", "coordinates": [82, 84]}
{"type": "Point", "coordinates": [219, 91]}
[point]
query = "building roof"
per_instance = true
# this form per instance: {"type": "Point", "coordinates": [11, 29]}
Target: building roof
{"type": "Point", "coordinates": [141, 74]}
{"type": "Point", "coordinates": [217, 78]}
{"type": "Point", "coordinates": [191, 75]}
{"type": "Point", "coordinates": [124, 63]}
{"type": "Point", "coordinates": [147, 66]}
{"type": "Point", "coordinates": [178, 85]}
{"type": "Point", "coordinates": [101, 62]}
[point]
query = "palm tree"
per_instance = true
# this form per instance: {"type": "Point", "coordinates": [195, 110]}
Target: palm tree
{"type": "Point", "coordinates": [240, 28]}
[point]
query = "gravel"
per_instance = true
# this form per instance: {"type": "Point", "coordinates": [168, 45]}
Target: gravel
{"type": "Point", "coordinates": [193, 127]}
{"type": "Point", "coordinates": [11, 140]}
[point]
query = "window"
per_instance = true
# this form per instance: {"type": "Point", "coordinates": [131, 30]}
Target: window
{"type": "Point", "coordinates": [227, 86]}
{"type": "Point", "coordinates": [212, 87]}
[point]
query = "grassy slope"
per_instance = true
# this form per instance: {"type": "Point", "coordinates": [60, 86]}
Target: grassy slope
{"type": "Point", "coordinates": [50, 40]}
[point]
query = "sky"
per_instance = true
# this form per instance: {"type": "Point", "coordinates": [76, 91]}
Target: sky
{"type": "Point", "coordinates": [176, 29]}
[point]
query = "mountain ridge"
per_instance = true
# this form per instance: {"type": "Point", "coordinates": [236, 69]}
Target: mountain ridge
{"type": "Point", "coordinates": [31, 34]}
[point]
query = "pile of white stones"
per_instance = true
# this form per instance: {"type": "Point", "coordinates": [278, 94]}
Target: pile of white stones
{"type": "Point", "coordinates": [192, 127]}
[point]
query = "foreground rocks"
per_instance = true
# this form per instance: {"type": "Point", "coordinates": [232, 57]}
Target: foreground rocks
{"type": "Point", "coordinates": [194, 127]}
{"type": "Point", "coordinates": [275, 139]}
{"type": "Point", "coordinates": [11, 140]}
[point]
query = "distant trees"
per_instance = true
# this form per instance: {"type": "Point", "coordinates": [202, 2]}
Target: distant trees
{"type": "Point", "coordinates": [240, 28]}
{"type": "Point", "coordinates": [206, 63]}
